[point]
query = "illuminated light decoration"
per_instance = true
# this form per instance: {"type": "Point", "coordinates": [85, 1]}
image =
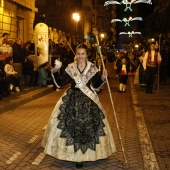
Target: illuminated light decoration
{"type": "Point", "coordinates": [127, 3]}
{"type": "Point", "coordinates": [129, 33]}
{"type": "Point", "coordinates": [111, 3]}
{"type": "Point", "coordinates": [144, 1]}
{"type": "Point", "coordinates": [127, 20]}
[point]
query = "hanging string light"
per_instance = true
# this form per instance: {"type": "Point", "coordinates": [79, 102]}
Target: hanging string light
{"type": "Point", "coordinates": [130, 33]}
{"type": "Point", "coordinates": [127, 20]}
{"type": "Point", "coordinates": [127, 3]}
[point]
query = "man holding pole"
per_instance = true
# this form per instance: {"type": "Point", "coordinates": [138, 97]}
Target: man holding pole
{"type": "Point", "coordinates": [151, 61]}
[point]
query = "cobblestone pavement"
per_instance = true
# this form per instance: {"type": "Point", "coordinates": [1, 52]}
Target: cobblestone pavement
{"type": "Point", "coordinates": [156, 111]}
{"type": "Point", "coordinates": [21, 132]}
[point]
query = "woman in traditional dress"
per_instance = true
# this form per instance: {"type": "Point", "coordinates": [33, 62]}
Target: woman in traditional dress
{"type": "Point", "coordinates": [140, 72]}
{"type": "Point", "coordinates": [78, 129]}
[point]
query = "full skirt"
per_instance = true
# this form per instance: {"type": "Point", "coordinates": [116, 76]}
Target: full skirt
{"type": "Point", "coordinates": [78, 130]}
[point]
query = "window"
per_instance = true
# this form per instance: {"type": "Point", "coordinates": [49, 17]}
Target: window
{"type": "Point", "coordinates": [20, 28]}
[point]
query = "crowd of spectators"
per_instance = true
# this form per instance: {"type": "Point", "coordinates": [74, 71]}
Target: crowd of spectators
{"type": "Point", "coordinates": [11, 53]}
{"type": "Point", "coordinates": [16, 54]}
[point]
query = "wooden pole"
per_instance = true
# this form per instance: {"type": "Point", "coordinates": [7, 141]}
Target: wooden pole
{"type": "Point", "coordinates": [95, 32]}
{"type": "Point", "coordinates": [159, 64]}
{"type": "Point", "coordinates": [70, 47]}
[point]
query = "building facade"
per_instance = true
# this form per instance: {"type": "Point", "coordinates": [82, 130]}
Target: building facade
{"type": "Point", "coordinates": [58, 14]}
{"type": "Point", "coordinates": [17, 17]}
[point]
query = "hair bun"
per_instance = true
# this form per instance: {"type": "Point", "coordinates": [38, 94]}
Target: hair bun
{"type": "Point", "coordinates": [82, 46]}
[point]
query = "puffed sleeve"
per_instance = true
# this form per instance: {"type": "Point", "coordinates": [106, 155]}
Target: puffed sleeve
{"type": "Point", "coordinates": [97, 81]}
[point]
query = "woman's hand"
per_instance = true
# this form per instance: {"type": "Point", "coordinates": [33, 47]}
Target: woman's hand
{"type": "Point", "coordinates": [104, 74]}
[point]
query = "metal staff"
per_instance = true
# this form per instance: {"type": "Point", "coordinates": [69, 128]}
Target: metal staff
{"type": "Point", "coordinates": [95, 32]}
{"type": "Point", "coordinates": [159, 64]}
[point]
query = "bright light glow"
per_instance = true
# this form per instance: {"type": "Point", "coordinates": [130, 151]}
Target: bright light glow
{"type": "Point", "coordinates": [76, 17]}
{"type": "Point", "coordinates": [152, 39]}
{"type": "Point", "coordinates": [136, 46]}
{"type": "Point", "coordinates": [102, 35]}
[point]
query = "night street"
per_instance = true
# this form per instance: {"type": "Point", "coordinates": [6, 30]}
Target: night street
{"type": "Point", "coordinates": [84, 84]}
{"type": "Point", "coordinates": [21, 131]}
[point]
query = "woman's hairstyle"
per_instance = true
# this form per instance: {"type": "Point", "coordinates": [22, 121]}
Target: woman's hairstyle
{"type": "Point", "coordinates": [44, 64]}
{"type": "Point", "coordinates": [8, 59]}
{"type": "Point", "coordinates": [153, 43]}
{"type": "Point", "coordinates": [82, 46]}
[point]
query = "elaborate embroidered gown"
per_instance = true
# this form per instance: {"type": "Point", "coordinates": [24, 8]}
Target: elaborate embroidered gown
{"type": "Point", "coordinates": [78, 129]}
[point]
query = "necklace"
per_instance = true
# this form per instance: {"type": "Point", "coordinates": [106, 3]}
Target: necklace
{"type": "Point", "coordinates": [82, 67]}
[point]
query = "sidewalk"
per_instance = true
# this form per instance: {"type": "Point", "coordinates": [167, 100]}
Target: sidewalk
{"type": "Point", "coordinates": [26, 94]}
{"type": "Point", "coordinates": [156, 112]}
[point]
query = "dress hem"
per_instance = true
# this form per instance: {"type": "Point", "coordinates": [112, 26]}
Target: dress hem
{"type": "Point", "coordinates": [83, 160]}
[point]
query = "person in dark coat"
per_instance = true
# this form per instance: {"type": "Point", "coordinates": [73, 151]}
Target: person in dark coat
{"type": "Point", "coordinates": [18, 54]}
{"type": "Point", "coordinates": [118, 60]}
{"type": "Point", "coordinates": [163, 65]}
{"type": "Point", "coordinates": [30, 70]}
{"type": "Point", "coordinates": [4, 81]}
{"type": "Point", "coordinates": [133, 64]}
{"type": "Point", "coordinates": [2, 62]}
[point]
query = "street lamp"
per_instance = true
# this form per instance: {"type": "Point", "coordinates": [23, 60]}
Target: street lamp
{"type": "Point", "coordinates": [76, 17]}
{"type": "Point", "coordinates": [136, 47]}
{"type": "Point", "coordinates": [102, 35]}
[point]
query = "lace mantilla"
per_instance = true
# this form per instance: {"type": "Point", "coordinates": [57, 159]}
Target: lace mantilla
{"type": "Point", "coordinates": [81, 121]}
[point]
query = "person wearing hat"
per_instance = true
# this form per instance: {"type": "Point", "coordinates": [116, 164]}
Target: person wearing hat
{"type": "Point", "coordinates": [151, 61]}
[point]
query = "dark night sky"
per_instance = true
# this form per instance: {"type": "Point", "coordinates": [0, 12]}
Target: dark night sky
{"type": "Point", "coordinates": [139, 10]}
{"type": "Point", "coordinates": [145, 9]}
